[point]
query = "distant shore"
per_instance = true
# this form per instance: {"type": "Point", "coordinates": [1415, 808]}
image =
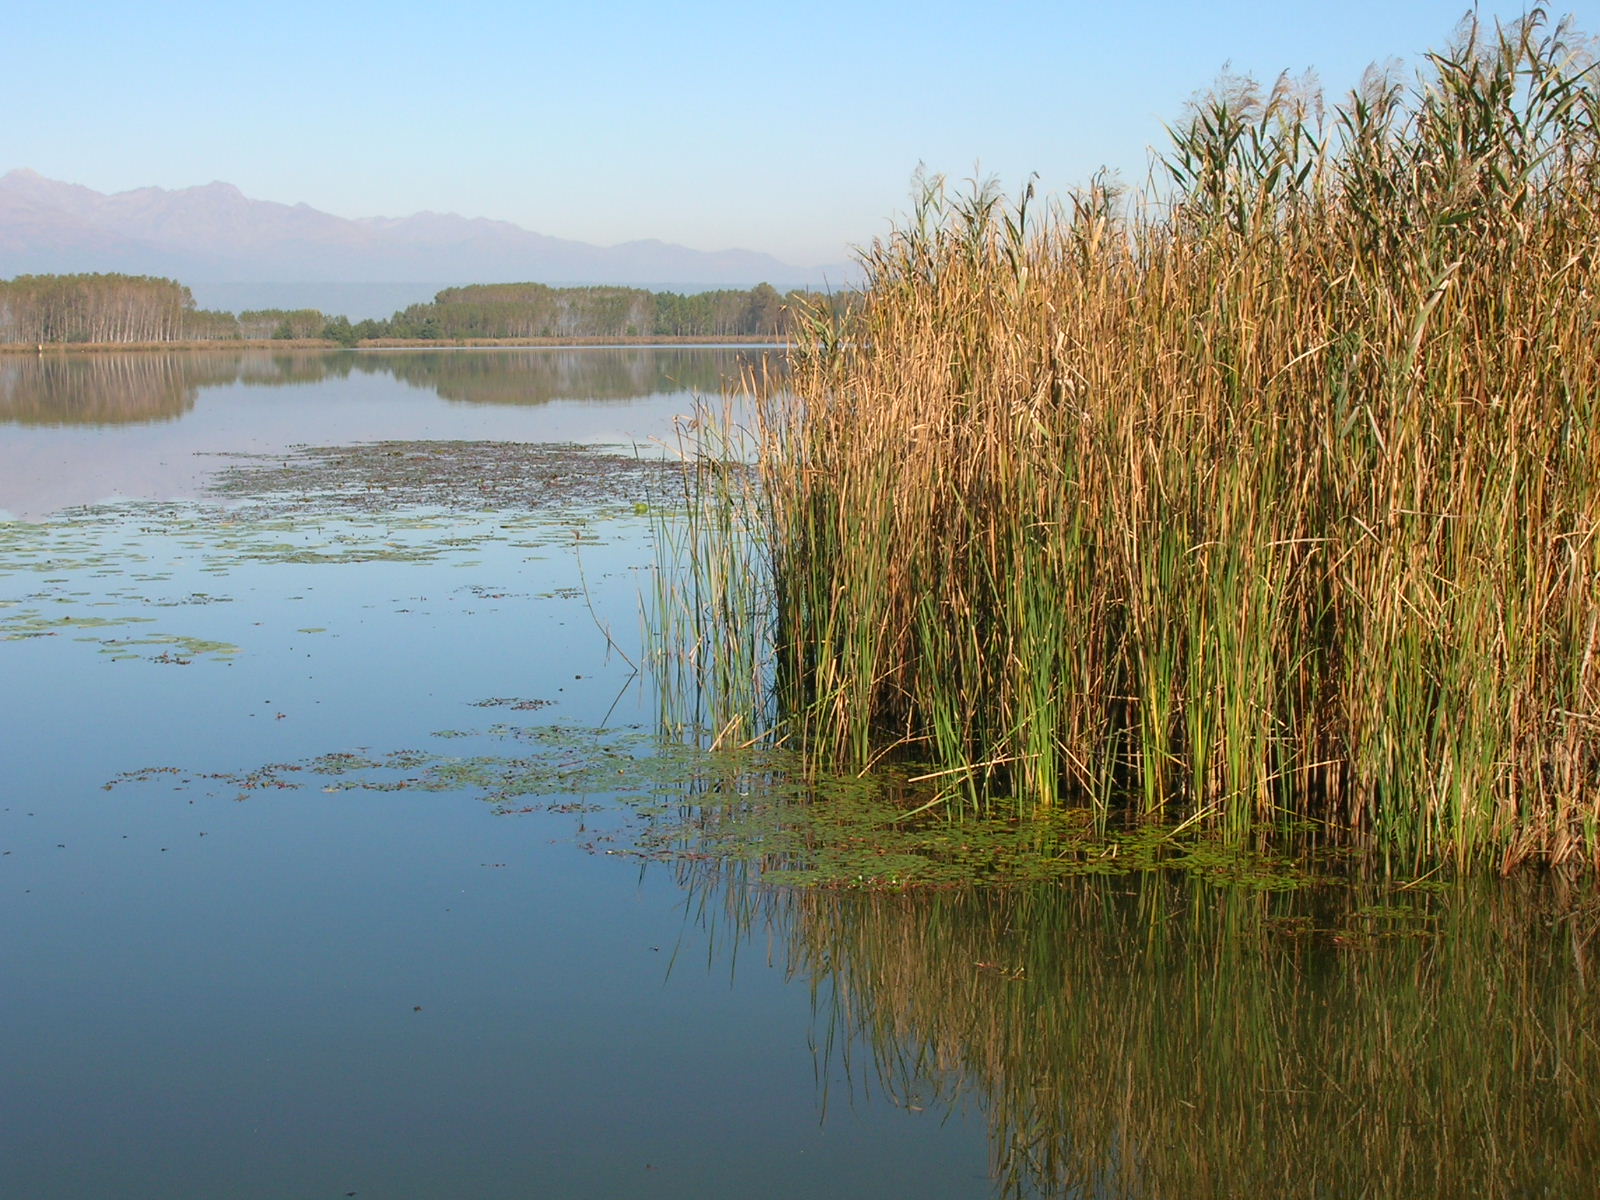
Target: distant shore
{"type": "Point", "coordinates": [382, 344]}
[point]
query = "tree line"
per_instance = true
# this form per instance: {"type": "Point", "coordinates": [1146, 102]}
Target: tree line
{"type": "Point", "coordinates": [102, 308]}
{"type": "Point", "coordinates": [116, 308]}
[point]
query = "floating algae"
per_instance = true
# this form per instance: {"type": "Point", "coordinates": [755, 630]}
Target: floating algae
{"type": "Point", "coordinates": [463, 476]}
{"type": "Point", "coordinates": [757, 805]}
{"type": "Point", "coordinates": [403, 502]}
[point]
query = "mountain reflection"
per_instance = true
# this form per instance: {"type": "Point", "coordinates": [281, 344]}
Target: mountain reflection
{"type": "Point", "coordinates": [1151, 1037]}
{"type": "Point", "coordinates": [117, 389]}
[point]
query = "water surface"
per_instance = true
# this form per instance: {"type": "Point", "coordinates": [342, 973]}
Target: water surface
{"type": "Point", "coordinates": [209, 991]}
{"type": "Point", "coordinates": [174, 413]}
{"type": "Point", "coordinates": [236, 964]}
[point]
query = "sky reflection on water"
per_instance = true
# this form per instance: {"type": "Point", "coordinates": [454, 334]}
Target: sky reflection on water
{"type": "Point", "coordinates": [314, 993]}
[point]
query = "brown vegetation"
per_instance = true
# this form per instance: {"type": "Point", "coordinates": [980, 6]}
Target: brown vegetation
{"type": "Point", "coordinates": [1276, 499]}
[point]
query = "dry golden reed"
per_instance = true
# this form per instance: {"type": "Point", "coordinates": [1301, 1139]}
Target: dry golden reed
{"type": "Point", "coordinates": [1264, 498]}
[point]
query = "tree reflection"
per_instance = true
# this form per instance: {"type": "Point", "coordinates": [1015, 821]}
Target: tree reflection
{"type": "Point", "coordinates": [141, 387]}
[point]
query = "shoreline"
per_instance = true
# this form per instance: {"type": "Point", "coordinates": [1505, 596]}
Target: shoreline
{"type": "Point", "coordinates": [388, 344]}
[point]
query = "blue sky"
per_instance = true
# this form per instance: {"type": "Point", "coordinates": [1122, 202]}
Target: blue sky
{"type": "Point", "coordinates": [792, 129]}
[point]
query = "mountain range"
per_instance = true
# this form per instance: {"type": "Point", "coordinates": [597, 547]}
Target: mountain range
{"type": "Point", "coordinates": [216, 233]}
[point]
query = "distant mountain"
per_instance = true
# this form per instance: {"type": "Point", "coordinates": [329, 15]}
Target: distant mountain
{"type": "Point", "coordinates": [216, 233]}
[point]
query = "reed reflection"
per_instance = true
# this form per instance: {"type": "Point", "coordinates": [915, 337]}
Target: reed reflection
{"type": "Point", "coordinates": [1151, 1037]}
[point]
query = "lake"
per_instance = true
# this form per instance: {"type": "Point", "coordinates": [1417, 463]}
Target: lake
{"type": "Point", "coordinates": [339, 856]}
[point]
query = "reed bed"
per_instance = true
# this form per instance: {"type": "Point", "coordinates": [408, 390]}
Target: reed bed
{"type": "Point", "coordinates": [1268, 497]}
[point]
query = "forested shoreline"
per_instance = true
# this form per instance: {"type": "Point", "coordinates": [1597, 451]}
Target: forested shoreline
{"type": "Point", "coordinates": [113, 309]}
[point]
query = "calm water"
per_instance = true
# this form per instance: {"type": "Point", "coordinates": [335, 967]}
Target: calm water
{"type": "Point", "coordinates": [230, 974]}
{"type": "Point", "coordinates": [84, 428]}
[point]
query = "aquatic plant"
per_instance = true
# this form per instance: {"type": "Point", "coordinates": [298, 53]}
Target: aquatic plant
{"type": "Point", "coordinates": [709, 620]}
{"type": "Point", "coordinates": [1268, 496]}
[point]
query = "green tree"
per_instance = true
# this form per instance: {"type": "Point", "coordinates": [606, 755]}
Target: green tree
{"type": "Point", "coordinates": [341, 331]}
{"type": "Point", "coordinates": [764, 312]}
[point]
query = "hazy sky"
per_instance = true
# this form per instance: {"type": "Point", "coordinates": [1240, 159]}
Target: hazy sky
{"type": "Point", "coordinates": [790, 128]}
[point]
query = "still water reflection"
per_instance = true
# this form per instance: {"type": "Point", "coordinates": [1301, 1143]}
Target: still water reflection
{"type": "Point", "coordinates": [1150, 1038]}
{"type": "Point", "coordinates": [232, 975]}
{"type": "Point", "coordinates": [177, 411]}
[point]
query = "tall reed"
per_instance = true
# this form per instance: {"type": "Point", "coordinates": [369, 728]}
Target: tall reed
{"type": "Point", "coordinates": [710, 614]}
{"type": "Point", "coordinates": [1270, 497]}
